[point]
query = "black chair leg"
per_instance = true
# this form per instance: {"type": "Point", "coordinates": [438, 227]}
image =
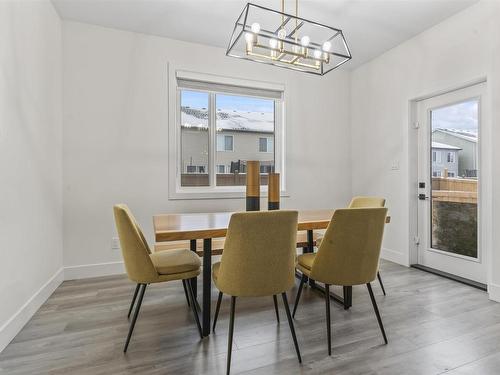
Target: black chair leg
{"type": "Point", "coordinates": [276, 308]}
{"type": "Point", "coordinates": [299, 292]}
{"type": "Point", "coordinates": [230, 334]}
{"type": "Point", "coordinates": [380, 281]}
{"type": "Point", "coordinates": [136, 314]}
{"type": "Point", "coordinates": [219, 300]}
{"type": "Point", "coordinates": [133, 300]}
{"type": "Point", "coordinates": [375, 307]}
{"type": "Point", "coordinates": [193, 307]}
{"type": "Point", "coordinates": [328, 323]}
{"type": "Point", "coordinates": [186, 292]}
{"type": "Point", "coordinates": [292, 328]}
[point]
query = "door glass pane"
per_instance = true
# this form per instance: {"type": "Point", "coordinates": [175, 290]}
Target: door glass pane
{"type": "Point", "coordinates": [194, 138]}
{"type": "Point", "coordinates": [454, 175]}
{"type": "Point", "coordinates": [243, 125]}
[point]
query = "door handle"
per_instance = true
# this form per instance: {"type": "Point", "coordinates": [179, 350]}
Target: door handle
{"type": "Point", "coordinates": [423, 197]}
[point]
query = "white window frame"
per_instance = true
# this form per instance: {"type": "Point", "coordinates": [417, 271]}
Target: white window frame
{"type": "Point", "coordinates": [224, 149]}
{"type": "Point", "coordinates": [450, 157]}
{"type": "Point", "coordinates": [436, 156]}
{"type": "Point", "coordinates": [223, 167]}
{"type": "Point", "coordinates": [214, 192]}
{"type": "Point", "coordinates": [268, 140]}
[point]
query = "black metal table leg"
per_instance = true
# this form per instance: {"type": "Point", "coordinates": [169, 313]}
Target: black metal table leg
{"type": "Point", "coordinates": [194, 284]}
{"type": "Point", "coordinates": [310, 249]}
{"type": "Point", "coordinates": [207, 285]}
{"type": "Point", "coordinates": [346, 300]}
{"type": "Point", "coordinates": [347, 297]}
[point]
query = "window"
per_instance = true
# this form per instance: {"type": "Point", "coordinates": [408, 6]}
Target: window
{"type": "Point", "coordinates": [266, 145]}
{"type": "Point", "coordinates": [436, 156]}
{"type": "Point", "coordinates": [451, 157]}
{"type": "Point", "coordinates": [436, 174]}
{"type": "Point", "coordinates": [266, 168]}
{"type": "Point", "coordinates": [224, 142]}
{"type": "Point", "coordinates": [218, 129]}
{"type": "Point", "coordinates": [451, 174]}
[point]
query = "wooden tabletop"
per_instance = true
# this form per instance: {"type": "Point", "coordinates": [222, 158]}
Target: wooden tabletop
{"type": "Point", "coordinates": [172, 227]}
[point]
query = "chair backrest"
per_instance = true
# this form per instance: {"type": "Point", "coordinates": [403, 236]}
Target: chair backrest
{"type": "Point", "coordinates": [259, 254]}
{"type": "Point", "coordinates": [135, 249]}
{"type": "Point", "coordinates": [366, 202]}
{"type": "Point", "coordinates": [350, 250]}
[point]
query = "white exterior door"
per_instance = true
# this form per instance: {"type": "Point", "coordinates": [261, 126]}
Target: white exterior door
{"type": "Point", "coordinates": [449, 178]}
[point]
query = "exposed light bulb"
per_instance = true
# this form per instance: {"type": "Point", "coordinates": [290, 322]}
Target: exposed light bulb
{"type": "Point", "coordinates": [255, 27]}
{"type": "Point", "coordinates": [249, 37]}
{"type": "Point", "coordinates": [317, 53]}
{"type": "Point", "coordinates": [273, 43]}
{"type": "Point", "coordinates": [282, 33]}
{"type": "Point", "coordinates": [305, 40]}
{"type": "Point", "coordinates": [327, 46]}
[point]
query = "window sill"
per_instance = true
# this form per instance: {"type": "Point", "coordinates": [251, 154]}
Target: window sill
{"type": "Point", "coordinates": [216, 193]}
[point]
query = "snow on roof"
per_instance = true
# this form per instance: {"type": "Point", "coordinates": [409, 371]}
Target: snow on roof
{"type": "Point", "coordinates": [444, 146]}
{"type": "Point", "coordinates": [261, 122]}
{"type": "Point", "coordinates": [468, 135]}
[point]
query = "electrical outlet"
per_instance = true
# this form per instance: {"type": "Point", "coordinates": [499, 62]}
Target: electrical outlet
{"type": "Point", "coordinates": [115, 244]}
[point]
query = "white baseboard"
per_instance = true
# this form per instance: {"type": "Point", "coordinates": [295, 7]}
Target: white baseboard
{"type": "Point", "coordinates": [12, 327]}
{"type": "Point", "coordinates": [93, 270]}
{"type": "Point", "coordinates": [394, 256]}
{"type": "Point", "coordinates": [494, 292]}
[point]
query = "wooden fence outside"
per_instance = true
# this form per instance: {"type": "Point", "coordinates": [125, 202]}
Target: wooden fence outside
{"type": "Point", "coordinates": [222, 179]}
{"type": "Point", "coordinates": [458, 190]}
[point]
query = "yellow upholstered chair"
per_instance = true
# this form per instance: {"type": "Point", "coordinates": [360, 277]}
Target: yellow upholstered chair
{"type": "Point", "coordinates": [145, 268]}
{"type": "Point", "coordinates": [364, 202]}
{"type": "Point", "coordinates": [348, 255]}
{"type": "Point", "coordinates": [258, 260]}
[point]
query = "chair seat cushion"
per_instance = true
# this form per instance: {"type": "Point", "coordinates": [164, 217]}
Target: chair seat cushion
{"type": "Point", "coordinates": [306, 260]}
{"type": "Point", "coordinates": [175, 261]}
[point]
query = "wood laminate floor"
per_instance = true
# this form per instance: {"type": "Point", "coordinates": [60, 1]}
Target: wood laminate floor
{"type": "Point", "coordinates": [434, 326]}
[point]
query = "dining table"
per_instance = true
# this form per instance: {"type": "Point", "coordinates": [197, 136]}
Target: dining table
{"type": "Point", "coordinates": [207, 226]}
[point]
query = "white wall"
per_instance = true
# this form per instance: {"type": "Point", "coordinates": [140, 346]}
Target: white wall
{"type": "Point", "coordinates": [30, 161]}
{"type": "Point", "coordinates": [116, 135]}
{"type": "Point", "coordinates": [461, 49]}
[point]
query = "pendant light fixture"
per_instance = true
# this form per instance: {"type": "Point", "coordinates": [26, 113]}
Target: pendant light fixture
{"type": "Point", "coordinates": [272, 37]}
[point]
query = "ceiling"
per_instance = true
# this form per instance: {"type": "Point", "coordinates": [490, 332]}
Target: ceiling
{"type": "Point", "coordinates": [371, 27]}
